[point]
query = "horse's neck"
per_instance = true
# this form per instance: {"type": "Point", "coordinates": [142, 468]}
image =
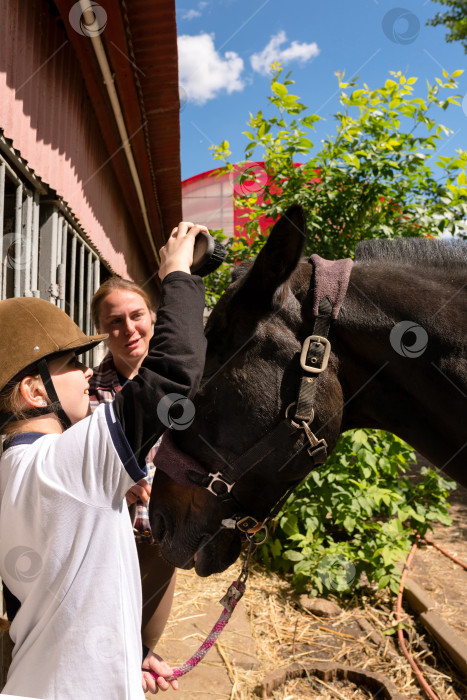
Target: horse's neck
{"type": "Point", "coordinates": [422, 399]}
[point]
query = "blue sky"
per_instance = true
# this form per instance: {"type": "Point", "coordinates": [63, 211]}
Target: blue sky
{"type": "Point", "coordinates": [225, 46]}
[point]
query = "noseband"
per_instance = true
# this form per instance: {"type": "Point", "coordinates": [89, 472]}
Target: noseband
{"type": "Point", "coordinates": [330, 285]}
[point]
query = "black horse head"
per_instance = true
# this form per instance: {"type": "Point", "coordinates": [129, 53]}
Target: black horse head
{"type": "Point", "coordinates": [252, 375]}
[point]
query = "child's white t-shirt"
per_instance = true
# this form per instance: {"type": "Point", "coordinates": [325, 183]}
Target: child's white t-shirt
{"type": "Point", "coordinates": [68, 553]}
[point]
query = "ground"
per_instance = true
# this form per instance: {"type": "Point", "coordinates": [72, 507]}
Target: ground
{"type": "Point", "coordinates": [270, 631]}
{"type": "Point", "coordinates": [445, 581]}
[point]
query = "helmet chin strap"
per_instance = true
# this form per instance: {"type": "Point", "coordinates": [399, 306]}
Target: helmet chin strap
{"type": "Point", "coordinates": [55, 406]}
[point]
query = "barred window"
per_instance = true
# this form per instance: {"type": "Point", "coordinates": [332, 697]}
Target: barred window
{"type": "Point", "coordinates": [44, 253]}
{"type": "Point", "coordinates": [19, 228]}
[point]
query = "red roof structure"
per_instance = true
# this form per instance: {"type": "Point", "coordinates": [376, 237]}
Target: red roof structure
{"type": "Point", "coordinates": [140, 42]}
{"type": "Point", "coordinates": [209, 197]}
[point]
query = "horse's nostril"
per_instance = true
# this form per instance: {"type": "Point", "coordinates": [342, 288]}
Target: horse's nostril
{"type": "Point", "coordinates": [158, 527]}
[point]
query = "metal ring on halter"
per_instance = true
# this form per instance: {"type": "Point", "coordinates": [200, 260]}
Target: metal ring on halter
{"type": "Point", "coordinates": [296, 425]}
{"type": "Point", "coordinates": [251, 536]}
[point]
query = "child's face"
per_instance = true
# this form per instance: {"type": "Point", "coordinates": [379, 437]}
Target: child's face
{"type": "Point", "coordinates": [71, 381]}
{"type": "Point", "coordinates": [126, 318]}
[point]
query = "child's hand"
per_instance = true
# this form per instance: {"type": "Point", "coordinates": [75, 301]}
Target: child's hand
{"type": "Point", "coordinates": [177, 253]}
{"type": "Point", "coordinates": [162, 669]}
{"type": "Point", "coordinates": [140, 491]}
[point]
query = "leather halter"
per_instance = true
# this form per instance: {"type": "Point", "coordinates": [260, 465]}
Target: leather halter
{"type": "Point", "coordinates": [314, 358]}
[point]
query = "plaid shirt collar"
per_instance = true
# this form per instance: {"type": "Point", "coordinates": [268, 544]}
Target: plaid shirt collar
{"type": "Point", "coordinates": [104, 383]}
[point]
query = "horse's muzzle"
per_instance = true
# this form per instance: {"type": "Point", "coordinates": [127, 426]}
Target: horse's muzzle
{"type": "Point", "coordinates": [217, 552]}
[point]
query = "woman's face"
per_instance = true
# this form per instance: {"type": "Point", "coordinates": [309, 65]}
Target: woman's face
{"type": "Point", "coordinates": [126, 318]}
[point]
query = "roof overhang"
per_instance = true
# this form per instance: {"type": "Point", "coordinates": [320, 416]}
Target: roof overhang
{"type": "Point", "coordinates": [139, 44]}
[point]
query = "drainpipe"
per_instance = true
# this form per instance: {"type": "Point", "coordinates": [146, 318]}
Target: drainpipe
{"type": "Point", "coordinates": [90, 20]}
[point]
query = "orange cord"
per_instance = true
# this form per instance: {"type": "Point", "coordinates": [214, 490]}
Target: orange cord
{"type": "Point", "coordinates": [446, 554]}
{"type": "Point", "coordinates": [400, 633]}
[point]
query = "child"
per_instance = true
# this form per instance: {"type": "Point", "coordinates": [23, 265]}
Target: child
{"type": "Point", "coordinates": [67, 550]}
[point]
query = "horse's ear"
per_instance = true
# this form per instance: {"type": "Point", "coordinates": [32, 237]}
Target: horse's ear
{"type": "Point", "coordinates": [278, 258]}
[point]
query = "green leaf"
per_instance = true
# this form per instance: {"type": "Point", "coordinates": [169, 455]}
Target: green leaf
{"type": "Point", "coordinates": [360, 436]}
{"type": "Point", "coordinates": [382, 583]}
{"type": "Point", "coordinates": [293, 555]}
{"type": "Point", "coordinates": [349, 523]}
{"type": "Point", "coordinates": [279, 89]}
{"type": "Point", "coordinates": [392, 630]}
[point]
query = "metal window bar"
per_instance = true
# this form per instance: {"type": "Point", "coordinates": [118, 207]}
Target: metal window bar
{"type": "Point", "coordinates": [15, 261]}
{"type": "Point", "coordinates": [58, 258]}
{"type": "Point", "coordinates": [81, 287]}
{"type": "Point", "coordinates": [35, 248]}
{"type": "Point", "coordinates": [87, 325]}
{"type": "Point", "coordinates": [96, 275]}
{"type": "Point", "coordinates": [71, 288]}
{"type": "Point", "coordinates": [62, 266]}
{"type": "Point", "coordinates": [53, 288]}
{"type": "Point", "coordinates": [26, 259]}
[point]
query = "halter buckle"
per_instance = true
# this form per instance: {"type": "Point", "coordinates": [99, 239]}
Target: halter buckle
{"type": "Point", "coordinates": [248, 526]}
{"type": "Point", "coordinates": [217, 478]}
{"type": "Point", "coordinates": [305, 347]}
{"type": "Point", "coordinates": [247, 523]}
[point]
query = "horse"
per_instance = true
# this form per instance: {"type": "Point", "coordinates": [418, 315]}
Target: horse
{"type": "Point", "coordinates": [397, 361]}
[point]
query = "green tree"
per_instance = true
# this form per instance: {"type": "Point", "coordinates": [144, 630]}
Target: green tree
{"type": "Point", "coordinates": [373, 178]}
{"type": "Point", "coordinates": [455, 19]}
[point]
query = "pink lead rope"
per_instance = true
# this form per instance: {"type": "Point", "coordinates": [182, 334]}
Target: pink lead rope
{"type": "Point", "coordinates": [229, 601]}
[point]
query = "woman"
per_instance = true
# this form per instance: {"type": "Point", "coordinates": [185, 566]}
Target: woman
{"type": "Point", "coordinates": [123, 310]}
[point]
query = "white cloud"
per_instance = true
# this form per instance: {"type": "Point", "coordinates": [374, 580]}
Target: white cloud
{"type": "Point", "coordinates": [261, 61]}
{"type": "Point", "coordinates": [191, 14]}
{"type": "Point", "coordinates": [204, 72]}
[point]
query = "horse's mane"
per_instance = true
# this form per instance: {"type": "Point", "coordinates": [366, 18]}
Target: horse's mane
{"type": "Point", "coordinates": [441, 253]}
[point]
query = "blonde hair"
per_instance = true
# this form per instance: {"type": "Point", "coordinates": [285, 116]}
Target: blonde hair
{"type": "Point", "coordinates": [111, 285]}
{"type": "Point", "coordinates": [12, 403]}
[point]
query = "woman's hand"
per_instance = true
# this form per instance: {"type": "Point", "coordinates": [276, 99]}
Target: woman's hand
{"type": "Point", "coordinates": [177, 253]}
{"type": "Point", "coordinates": [140, 491]}
{"type": "Point", "coordinates": [154, 663]}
